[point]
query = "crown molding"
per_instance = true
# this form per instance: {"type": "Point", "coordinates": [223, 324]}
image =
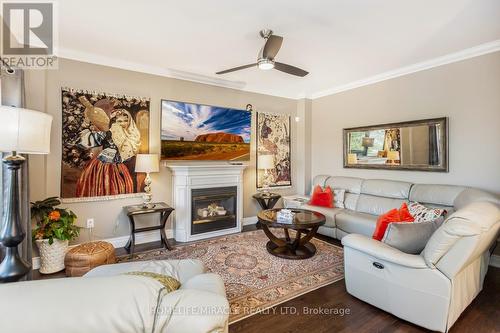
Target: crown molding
{"type": "Point", "coordinates": [142, 68]}
{"type": "Point", "coordinates": [159, 71]}
{"type": "Point", "coordinates": [472, 52]}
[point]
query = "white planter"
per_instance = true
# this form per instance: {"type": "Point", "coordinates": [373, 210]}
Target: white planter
{"type": "Point", "coordinates": [51, 256]}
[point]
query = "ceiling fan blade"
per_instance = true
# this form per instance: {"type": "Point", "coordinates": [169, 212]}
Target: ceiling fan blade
{"type": "Point", "coordinates": [236, 69]}
{"type": "Point", "coordinates": [290, 69]}
{"type": "Point", "coordinates": [273, 45]}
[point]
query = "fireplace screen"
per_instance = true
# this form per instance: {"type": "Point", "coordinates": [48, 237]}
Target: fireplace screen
{"type": "Point", "coordinates": [213, 209]}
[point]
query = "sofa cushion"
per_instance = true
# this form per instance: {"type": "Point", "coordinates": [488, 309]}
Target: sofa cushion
{"type": "Point", "coordinates": [386, 188]}
{"type": "Point", "coordinates": [354, 222]}
{"type": "Point", "coordinates": [471, 195]}
{"type": "Point", "coordinates": [110, 303]}
{"type": "Point", "coordinates": [350, 184]}
{"type": "Point", "coordinates": [329, 213]}
{"type": "Point", "coordinates": [318, 180]}
{"type": "Point", "coordinates": [351, 200]}
{"type": "Point", "coordinates": [443, 195]}
{"type": "Point", "coordinates": [375, 205]}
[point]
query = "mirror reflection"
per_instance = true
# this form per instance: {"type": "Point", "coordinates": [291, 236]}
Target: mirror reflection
{"type": "Point", "coordinates": [415, 145]}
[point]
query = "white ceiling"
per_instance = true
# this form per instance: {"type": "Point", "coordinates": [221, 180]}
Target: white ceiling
{"type": "Point", "coordinates": [340, 42]}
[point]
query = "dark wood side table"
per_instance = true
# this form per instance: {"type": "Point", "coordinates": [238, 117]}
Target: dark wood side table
{"type": "Point", "coordinates": [306, 222]}
{"type": "Point", "coordinates": [133, 211]}
{"type": "Point", "coordinates": [266, 200]}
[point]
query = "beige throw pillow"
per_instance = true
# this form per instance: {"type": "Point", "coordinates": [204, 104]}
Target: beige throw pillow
{"type": "Point", "coordinates": [167, 281]}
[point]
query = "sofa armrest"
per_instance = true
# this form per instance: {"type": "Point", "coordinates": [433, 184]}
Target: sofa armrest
{"type": "Point", "coordinates": [206, 282]}
{"type": "Point", "coordinates": [383, 251]}
{"type": "Point", "coordinates": [192, 310]}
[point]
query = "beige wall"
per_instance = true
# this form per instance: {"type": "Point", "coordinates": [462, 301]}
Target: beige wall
{"type": "Point", "coordinates": [44, 93]}
{"type": "Point", "coordinates": [468, 92]}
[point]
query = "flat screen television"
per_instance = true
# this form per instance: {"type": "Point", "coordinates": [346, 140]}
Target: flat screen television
{"type": "Point", "coordinates": [204, 132]}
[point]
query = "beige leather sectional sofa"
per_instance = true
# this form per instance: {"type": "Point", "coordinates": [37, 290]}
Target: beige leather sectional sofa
{"type": "Point", "coordinates": [366, 199]}
{"type": "Point", "coordinates": [430, 289]}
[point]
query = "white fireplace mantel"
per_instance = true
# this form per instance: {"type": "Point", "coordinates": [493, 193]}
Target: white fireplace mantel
{"type": "Point", "coordinates": [188, 176]}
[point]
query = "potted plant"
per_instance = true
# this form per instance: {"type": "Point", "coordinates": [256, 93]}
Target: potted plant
{"type": "Point", "coordinates": [54, 229]}
{"type": "Point", "coordinates": [42, 208]}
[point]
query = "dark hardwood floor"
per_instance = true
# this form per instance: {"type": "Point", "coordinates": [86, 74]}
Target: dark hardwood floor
{"type": "Point", "coordinates": [349, 313]}
{"type": "Point", "coordinates": [483, 315]}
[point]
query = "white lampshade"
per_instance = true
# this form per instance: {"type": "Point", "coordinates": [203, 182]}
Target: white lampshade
{"type": "Point", "coordinates": [266, 162]}
{"type": "Point", "coordinates": [24, 131]}
{"type": "Point", "coordinates": [147, 163]}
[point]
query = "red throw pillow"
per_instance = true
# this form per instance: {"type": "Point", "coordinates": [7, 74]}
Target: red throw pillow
{"type": "Point", "coordinates": [394, 215]}
{"type": "Point", "coordinates": [323, 198]}
{"type": "Point", "coordinates": [383, 222]}
{"type": "Point", "coordinates": [404, 214]}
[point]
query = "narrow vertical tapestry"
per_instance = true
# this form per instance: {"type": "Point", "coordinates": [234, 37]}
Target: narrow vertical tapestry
{"type": "Point", "coordinates": [273, 150]}
{"type": "Point", "coordinates": [101, 135]}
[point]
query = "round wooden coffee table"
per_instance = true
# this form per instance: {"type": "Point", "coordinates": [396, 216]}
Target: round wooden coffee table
{"type": "Point", "coordinates": [306, 224]}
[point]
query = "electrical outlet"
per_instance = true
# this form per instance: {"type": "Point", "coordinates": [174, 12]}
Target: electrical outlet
{"type": "Point", "coordinates": [90, 223]}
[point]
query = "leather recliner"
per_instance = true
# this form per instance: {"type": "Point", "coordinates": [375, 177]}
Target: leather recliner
{"type": "Point", "coordinates": [430, 289]}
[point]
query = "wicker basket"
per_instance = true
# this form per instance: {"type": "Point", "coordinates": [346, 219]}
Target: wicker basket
{"type": "Point", "coordinates": [51, 256]}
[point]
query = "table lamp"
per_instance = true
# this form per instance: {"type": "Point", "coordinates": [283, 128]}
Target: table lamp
{"type": "Point", "coordinates": [28, 132]}
{"type": "Point", "coordinates": [367, 142]}
{"type": "Point", "coordinates": [265, 162]}
{"type": "Point", "coordinates": [393, 156]}
{"type": "Point", "coordinates": [147, 163]}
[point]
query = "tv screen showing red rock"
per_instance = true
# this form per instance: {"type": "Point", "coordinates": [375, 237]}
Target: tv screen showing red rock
{"type": "Point", "coordinates": [203, 132]}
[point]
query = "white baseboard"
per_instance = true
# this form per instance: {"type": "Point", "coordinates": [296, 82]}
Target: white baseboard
{"type": "Point", "coordinates": [251, 220]}
{"type": "Point", "coordinates": [495, 261]}
{"type": "Point", "coordinates": [140, 238]}
{"type": "Point", "coordinates": [121, 241]}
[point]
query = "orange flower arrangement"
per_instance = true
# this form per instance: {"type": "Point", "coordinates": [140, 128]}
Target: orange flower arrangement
{"type": "Point", "coordinates": [54, 215]}
{"type": "Point", "coordinates": [53, 222]}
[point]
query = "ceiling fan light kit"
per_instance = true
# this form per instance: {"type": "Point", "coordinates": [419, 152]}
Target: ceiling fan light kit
{"type": "Point", "coordinates": [265, 64]}
{"type": "Point", "coordinates": [265, 59]}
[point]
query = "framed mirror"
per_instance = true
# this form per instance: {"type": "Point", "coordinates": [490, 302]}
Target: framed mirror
{"type": "Point", "coordinates": [412, 145]}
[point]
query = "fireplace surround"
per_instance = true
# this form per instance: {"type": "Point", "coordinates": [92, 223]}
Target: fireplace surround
{"type": "Point", "coordinates": [213, 209]}
{"type": "Point", "coordinates": [208, 200]}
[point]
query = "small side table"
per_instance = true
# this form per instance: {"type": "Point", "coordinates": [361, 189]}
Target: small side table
{"type": "Point", "coordinates": [158, 207]}
{"type": "Point", "coordinates": [295, 201]}
{"type": "Point", "coordinates": [266, 200]}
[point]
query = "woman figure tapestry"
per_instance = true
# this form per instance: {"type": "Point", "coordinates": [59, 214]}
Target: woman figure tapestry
{"type": "Point", "coordinates": [273, 138]}
{"type": "Point", "coordinates": [103, 147]}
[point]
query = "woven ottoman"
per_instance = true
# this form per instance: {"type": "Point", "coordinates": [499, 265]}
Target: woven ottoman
{"type": "Point", "coordinates": [82, 258]}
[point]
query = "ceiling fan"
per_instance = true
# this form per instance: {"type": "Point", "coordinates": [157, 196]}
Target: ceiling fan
{"type": "Point", "coordinates": [265, 60]}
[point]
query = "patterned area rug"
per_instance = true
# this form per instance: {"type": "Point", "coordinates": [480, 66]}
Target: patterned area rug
{"type": "Point", "coordinates": [256, 280]}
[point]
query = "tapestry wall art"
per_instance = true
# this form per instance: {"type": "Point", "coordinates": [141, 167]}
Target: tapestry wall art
{"type": "Point", "coordinates": [273, 150]}
{"type": "Point", "coordinates": [101, 135]}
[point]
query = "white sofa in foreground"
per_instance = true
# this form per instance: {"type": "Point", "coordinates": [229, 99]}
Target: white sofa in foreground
{"type": "Point", "coordinates": [105, 300]}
